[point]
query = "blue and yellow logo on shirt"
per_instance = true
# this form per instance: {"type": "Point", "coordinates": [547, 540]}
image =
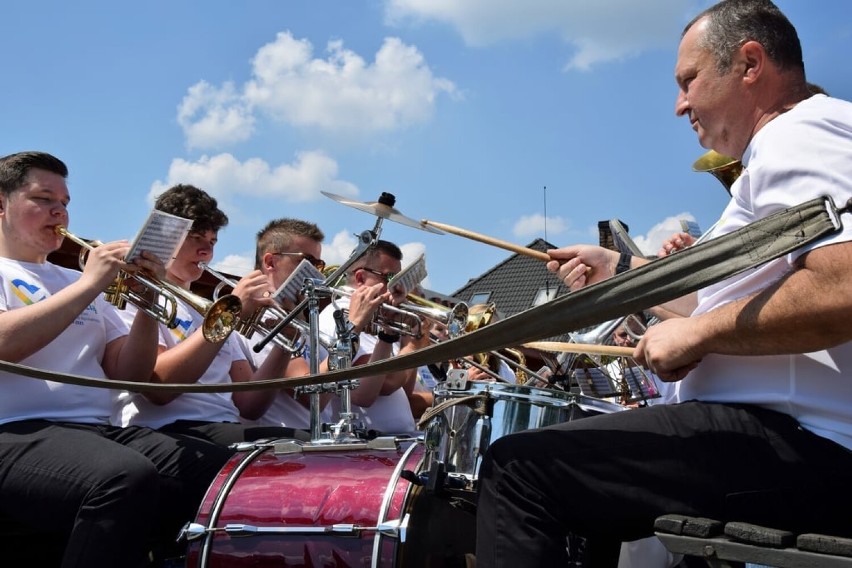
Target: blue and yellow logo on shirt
{"type": "Point", "coordinates": [181, 329]}
{"type": "Point", "coordinates": [27, 293]}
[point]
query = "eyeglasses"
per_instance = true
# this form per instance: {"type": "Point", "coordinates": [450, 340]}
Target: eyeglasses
{"type": "Point", "coordinates": [318, 263]}
{"type": "Point", "coordinates": [386, 276]}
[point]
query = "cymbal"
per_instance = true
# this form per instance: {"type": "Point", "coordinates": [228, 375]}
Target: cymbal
{"type": "Point", "coordinates": [383, 208]}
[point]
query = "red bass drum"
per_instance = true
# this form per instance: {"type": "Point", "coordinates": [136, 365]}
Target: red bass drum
{"type": "Point", "coordinates": [288, 504]}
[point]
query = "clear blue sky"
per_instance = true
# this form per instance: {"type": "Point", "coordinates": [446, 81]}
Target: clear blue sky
{"type": "Point", "coordinates": [464, 109]}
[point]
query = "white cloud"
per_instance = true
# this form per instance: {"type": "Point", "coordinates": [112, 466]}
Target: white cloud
{"type": "Point", "coordinates": [340, 247]}
{"type": "Point", "coordinates": [342, 92]}
{"type": "Point", "coordinates": [535, 225]}
{"type": "Point", "coordinates": [223, 176]}
{"type": "Point", "coordinates": [589, 27]}
{"type": "Point", "coordinates": [212, 117]}
{"type": "Point", "coordinates": [651, 242]}
{"type": "Point", "coordinates": [237, 265]}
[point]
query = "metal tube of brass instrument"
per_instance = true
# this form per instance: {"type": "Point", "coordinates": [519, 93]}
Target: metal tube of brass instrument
{"type": "Point", "coordinates": [218, 316]}
{"type": "Point", "coordinates": [247, 327]}
{"type": "Point", "coordinates": [724, 168]}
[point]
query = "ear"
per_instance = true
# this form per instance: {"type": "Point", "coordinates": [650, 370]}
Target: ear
{"type": "Point", "coordinates": [753, 58]}
{"type": "Point", "coordinates": [266, 262]}
{"type": "Point", "coordinates": [358, 276]}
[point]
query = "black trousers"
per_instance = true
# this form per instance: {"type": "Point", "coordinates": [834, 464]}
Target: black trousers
{"type": "Point", "coordinates": [227, 433]}
{"type": "Point", "coordinates": [607, 478]}
{"type": "Point", "coordinates": [107, 495]}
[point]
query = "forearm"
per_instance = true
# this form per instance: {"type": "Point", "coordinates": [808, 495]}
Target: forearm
{"type": "Point", "coordinates": [814, 309]}
{"type": "Point", "coordinates": [399, 379]}
{"type": "Point", "coordinates": [275, 365]}
{"type": "Point", "coordinates": [370, 388]}
{"type": "Point", "coordinates": [806, 310]}
{"type": "Point", "coordinates": [187, 361]}
{"type": "Point", "coordinates": [133, 357]}
{"type": "Point", "coordinates": [251, 404]}
{"type": "Point", "coordinates": [23, 331]}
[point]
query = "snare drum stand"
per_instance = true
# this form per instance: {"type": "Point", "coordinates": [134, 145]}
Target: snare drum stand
{"type": "Point", "coordinates": [311, 298]}
{"type": "Point", "coordinates": [340, 357]}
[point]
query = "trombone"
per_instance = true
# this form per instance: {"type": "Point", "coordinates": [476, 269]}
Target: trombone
{"type": "Point", "coordinates": [219, 316]}
{"type": "Point", "coordinates": [247, 327]}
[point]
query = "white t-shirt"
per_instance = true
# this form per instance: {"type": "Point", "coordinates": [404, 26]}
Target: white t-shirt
{"type": "Point", "coordinates": [78, 350]}
{"type": "Point", "coordinates": [389, 413]}
{"type": "Point", "coordinates": [284, 410]}
{"type": "Point", "coordinates": [814, 142]}
{"type": "Point", "coordinates": [135, 409]}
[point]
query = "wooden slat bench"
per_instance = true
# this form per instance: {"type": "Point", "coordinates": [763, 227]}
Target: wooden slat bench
{"type": "Point", "coordinates": [735, 543]}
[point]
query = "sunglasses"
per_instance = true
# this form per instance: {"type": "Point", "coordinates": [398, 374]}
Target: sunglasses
{"type": "Point", "coordinates": [318, 263]}
{"type": "Point", "coordinates": [386, 276]}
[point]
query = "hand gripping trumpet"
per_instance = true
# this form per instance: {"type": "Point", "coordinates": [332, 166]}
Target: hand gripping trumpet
{"type": "Point", "coordinates": [219, 316]}
{"type": "Point", "coordinates": [405, 319]}
{"type": "Point", "coordinates": [264, 318]}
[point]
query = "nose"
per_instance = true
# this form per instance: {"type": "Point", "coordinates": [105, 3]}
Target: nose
{"type": "Point", "coordinates": [59, 210]}
{"type": "Point", "coordinates": [205, 250]}
{"type": "Point", "coordinates": [681, 104]}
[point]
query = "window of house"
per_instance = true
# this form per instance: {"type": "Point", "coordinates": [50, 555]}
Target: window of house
{"type": "Point", "coordinates": [480, 298]}
{"type": "Point", "coordinates": [544, 295]}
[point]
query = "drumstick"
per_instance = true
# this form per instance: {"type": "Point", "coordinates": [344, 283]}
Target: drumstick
{"type": "Point", "coordinates": [488, 240]}
{"type": "Point", "coordinates": [590, 348]}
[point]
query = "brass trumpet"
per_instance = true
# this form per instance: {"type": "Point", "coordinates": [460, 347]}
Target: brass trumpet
{"type": "Point", "coordinates": [455, 318]}
{"type": "Point", "coordinates": [405, 318]}
{"type": "Point", "coordinates": [256, 322]}
{"type": "Point", "coordinates": [219, 316]}
{"type": "Point", "coordinates": [724, 168]}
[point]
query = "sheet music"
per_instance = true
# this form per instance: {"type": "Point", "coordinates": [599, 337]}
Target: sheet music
{"type": "Point", "coordinates": [162, 234]}
{"type": "Point", "coordinates": [291, 287]}
{"type": "Point", "coordinates": [410, 276]}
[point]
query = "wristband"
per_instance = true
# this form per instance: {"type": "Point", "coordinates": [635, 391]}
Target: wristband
{"type": "Point", "coordinates": [388, 337]}
{"type": "Point", "coordinates": [623, 263]}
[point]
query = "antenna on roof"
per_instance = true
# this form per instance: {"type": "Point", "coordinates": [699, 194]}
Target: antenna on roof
{"type": "Point", "coordinates": [544, 196]}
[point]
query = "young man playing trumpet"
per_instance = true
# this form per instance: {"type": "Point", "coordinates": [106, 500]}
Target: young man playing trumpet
{"type": "Point", "coordinates": [381, 401]}
{"type": "Point", "coordinates": [281, 246]}
{"type": "Point", "coordinates": [185, 356]}
{"type": "Point", "coordinates": [100, 493]}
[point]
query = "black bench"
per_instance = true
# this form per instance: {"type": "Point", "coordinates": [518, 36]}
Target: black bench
{"type": "Point", "coordinates": [734, 543]}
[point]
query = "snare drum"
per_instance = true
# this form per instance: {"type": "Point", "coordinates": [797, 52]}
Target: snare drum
{"type": "Point", "coordinates": [468, 419]}
{"type": "Point", "coordinates": [365, 506]}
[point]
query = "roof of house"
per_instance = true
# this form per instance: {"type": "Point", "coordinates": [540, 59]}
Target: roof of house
{"type": "Point", "coordinates": [515, 283]}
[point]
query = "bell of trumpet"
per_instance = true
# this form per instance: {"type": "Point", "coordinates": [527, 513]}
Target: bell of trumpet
{"type": "Point", "coordinates": [724, 168]}
{"type": "Point", "coordinates": [219, 316]}
{"type": "Point", "coordinates": [454, 318]}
